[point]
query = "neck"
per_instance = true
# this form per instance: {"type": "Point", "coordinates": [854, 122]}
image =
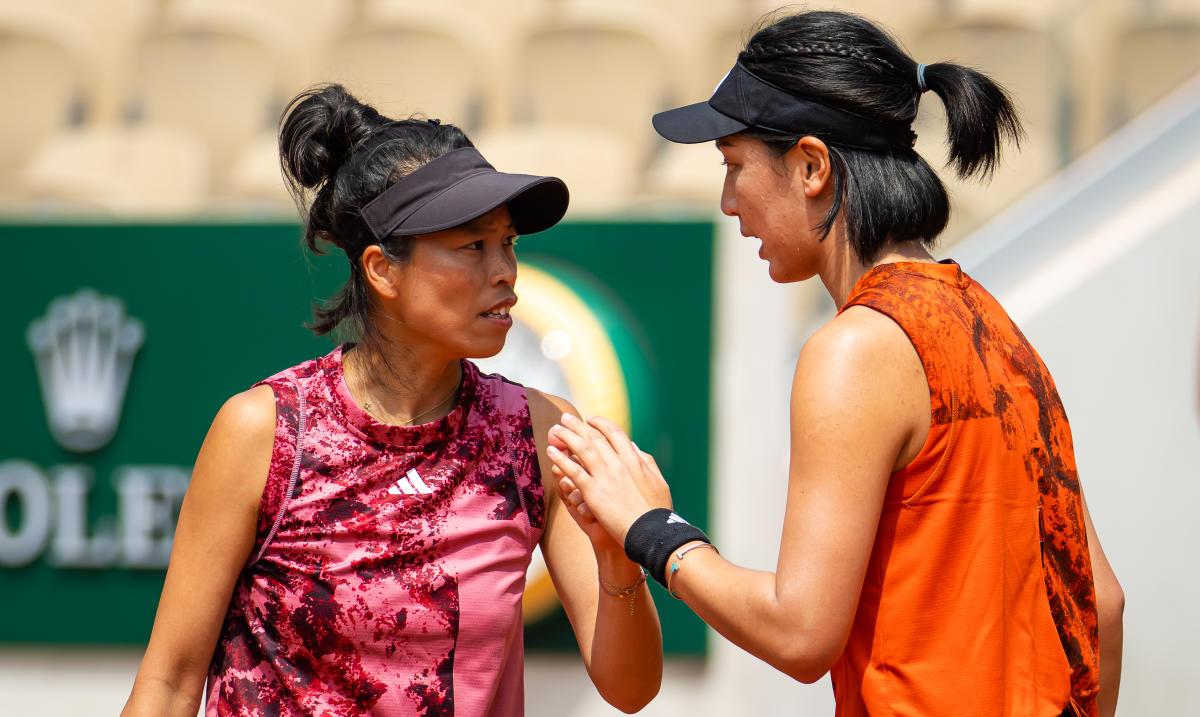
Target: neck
{"type": "Point", "coordinates": [843, 268]}
{"type": "Point", "coordinates": [396, 384]}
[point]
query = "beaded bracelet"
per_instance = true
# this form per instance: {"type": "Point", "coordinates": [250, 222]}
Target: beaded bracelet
{"type": "Point", "coordinates": [679, 556]}
{"type": "Point", "coordinates": [629, 592]}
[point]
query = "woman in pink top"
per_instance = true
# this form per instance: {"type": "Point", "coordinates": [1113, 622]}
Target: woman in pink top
{"type": "Point", "coordinates": [357, 529]}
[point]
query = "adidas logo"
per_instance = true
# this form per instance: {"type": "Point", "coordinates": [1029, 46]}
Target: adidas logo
{"type": "Point", "coordinates": [410, 484]}
{"type": "Point", "coordinates": [676, 519]}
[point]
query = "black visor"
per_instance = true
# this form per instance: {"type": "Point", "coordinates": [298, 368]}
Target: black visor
{"type": "Point", "coordinates": [458, 187]}
{"type": "Point", "coordinates": [743, 101]}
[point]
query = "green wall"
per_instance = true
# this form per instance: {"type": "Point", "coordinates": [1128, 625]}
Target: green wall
{"type": "Point", "coordinates": [223, 306]}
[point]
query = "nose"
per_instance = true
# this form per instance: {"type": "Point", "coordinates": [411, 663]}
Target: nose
{"type": "Point", "coordinates": [503, 266]}
{"type": "Point", "coordinates": [728, 203]}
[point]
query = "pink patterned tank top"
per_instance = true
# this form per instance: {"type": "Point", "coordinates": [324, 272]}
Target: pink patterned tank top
{"type": "Point", "coordinates": [387, 574]}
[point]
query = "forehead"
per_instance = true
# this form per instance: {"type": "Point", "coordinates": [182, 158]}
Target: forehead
{"type": "Point", "coordinates": [496, 220]}
{"type": "Point", "coordinates": [736, 143]}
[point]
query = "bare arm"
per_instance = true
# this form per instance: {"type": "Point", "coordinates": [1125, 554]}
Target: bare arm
{"type": "Point", "coordinates": [622, 649]}
{"type": "Point", "coordinates": [1110, 608]}
{"type": "Point", "coordinates": [213, 540]}
{"type": "Point", "coordinates": [860, 408]}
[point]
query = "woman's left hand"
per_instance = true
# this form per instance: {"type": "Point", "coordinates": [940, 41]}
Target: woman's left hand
{"type": "Point", "coordinates": [601, 541]}
{"type": "Point", "coordinates": [604, 475]}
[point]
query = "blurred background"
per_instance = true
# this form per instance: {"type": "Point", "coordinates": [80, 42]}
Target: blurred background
{"type": "Point", "coordinates": [140, 186]}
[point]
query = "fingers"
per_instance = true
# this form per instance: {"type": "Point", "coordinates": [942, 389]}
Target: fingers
{"type": "Point", "coordinates": [587, 444]}
{"type": "Point", "coordinates": [572, 497]}
{"type": "Point", "coordinates": [620, 442]}
{"type": "Point", "coordinates": [564, 465]}
{"type": "Point", "coordinates": [554, 440]}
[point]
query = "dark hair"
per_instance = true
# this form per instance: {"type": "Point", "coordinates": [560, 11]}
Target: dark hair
{"type": "Point", "coordinates": [847, 62]}
{"type": "Point", "coordinates": [337, 155]}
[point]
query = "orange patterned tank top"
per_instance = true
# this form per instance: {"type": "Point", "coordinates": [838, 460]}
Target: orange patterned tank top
{"type": "Point", "coordinates": [978, 597]}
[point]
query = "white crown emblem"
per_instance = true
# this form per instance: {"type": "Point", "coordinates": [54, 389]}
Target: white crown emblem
{"type": "Point", "coordinates": [84, 347]}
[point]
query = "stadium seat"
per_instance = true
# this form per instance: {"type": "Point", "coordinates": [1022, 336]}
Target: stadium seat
{"type": "Point", "coordinates": [211, 79]}
{"type": "Point", "coordinates": [1025, 61]}
{"type": "Point", "coordinates": [1150, 58]}
{"type": "Point", "coordinates": [104, 33]}
{"type": "Point", "coordinates": [898, 18]}
{"type": "Point", "coordinates": [609, 67]}
{"type": "Point", "coordinates": [685, 176]}
{"type": "Point", "coordinates": [687, 27]}
{"type": "Point", "coordinates": [254, 183]}
{"type": "Point", "coordinates": [505, 21]}
{"type": "Point", "coordinates": [44, 74]}
{"type": "Point", "coordinates": [598, 164]}
{"type": "Point", "coordinates": [126, 172]}
{"type": "Point", "coordinates": [300, 32]}
{"type": "Point", "coordinates": [409, 59]}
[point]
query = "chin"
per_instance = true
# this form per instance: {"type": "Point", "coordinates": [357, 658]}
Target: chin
{"type": "Point", "coordinates": [779, 275]}
{"type": "Point", "coordinates": [483, 350]}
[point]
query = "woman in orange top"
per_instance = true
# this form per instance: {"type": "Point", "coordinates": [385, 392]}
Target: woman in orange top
{"type": "Point", "coordinates": [937, 556]}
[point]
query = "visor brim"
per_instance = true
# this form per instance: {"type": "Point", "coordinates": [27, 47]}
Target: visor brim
{"type": "Point", "coordinates": [696, 123]}
{"type": "Point", "coordinates": [535, 203]}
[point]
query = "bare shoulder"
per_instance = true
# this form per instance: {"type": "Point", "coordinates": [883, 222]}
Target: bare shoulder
{"type": "Point", "coordinates": [236, 454]}
{"type": "Point", "coordinates": [252, 412]}
{"type": "Point", "coordinates": [859, 335]}
{"type": "Point", "coordinates": [860, 372]}
{"type": "Point", "coordinates": [544, 411]}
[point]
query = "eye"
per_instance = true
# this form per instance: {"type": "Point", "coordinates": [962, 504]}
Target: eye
{"type": "Point", "coordinates": [475, 245]}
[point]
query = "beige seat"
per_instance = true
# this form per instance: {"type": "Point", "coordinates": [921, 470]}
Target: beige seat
{"type": "Point", "coordinates": [505, 21]}
{"type": "Point", "coordinates": [43, 73]}
{"type": "Point", "coordinates": [1023, 60]}
{"type": "Point", "coordinates": [102, 34]}
{"type": "Point", "coordinates": [685, 175]}
{"type": "Point", "coordinates": [254, 183]}
{"type": "Point", "coordinates": [299, 32]}
{"type": "Point", "coordinates": [409, 59]}
{"type": "Point", "coordinates": [609, 67]}
{"type": "Point", "coordinates": [597, 164]}
{"type": "Point", "coordinates": [1150, 59]}
{"type": "Point", "coordinates": [213, 80]}
{"type": "Point", "coordinates": [1035, 13]}
{"type": "Point", "coordinates": [899, 18]}
{"type": "Point", "coordinates": [126, 172]}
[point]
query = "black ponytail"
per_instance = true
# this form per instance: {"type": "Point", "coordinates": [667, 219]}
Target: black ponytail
{"type": "Point", "coordinates": [337, 154]}
{"type": "Point", "coordinates": [847, 62]}
{"type": "Point", "coordinates": [979, 117]}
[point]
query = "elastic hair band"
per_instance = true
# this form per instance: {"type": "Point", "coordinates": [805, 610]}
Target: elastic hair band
{"type": "Point", "coordinates": [654, 536]}
{"type": "Point", "coordinates": [921, 77]}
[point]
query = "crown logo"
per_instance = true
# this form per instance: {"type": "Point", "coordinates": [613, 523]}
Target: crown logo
{"type": "Point", "coordinates": [84, 348]}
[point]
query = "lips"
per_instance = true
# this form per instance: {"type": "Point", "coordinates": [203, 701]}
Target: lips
{"type": "Point", "coordinates": [500, 310]}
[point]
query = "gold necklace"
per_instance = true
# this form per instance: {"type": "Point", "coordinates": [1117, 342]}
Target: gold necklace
{"type": "Point", "coordinates": [419, 416]}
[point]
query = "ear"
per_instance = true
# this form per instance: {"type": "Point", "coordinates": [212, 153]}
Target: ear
{"type": "Point", "coordinates": [809, 162]}
{"type": "Point", "coordinates": [380, 272]}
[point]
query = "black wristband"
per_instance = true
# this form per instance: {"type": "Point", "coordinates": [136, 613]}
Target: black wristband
{"type": "Point", "coordinates": [654, 536]}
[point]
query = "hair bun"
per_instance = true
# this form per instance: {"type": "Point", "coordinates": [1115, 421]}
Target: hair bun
{"type": "Point", "coordinates": [319, 129]}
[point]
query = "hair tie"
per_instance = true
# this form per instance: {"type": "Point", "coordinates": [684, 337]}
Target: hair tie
{"type": "Point", "coordinates": [434, 121]}
{"type": "Point", "coordinates": [921, 77]}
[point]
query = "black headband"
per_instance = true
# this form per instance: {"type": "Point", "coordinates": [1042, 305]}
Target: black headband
{"type": "Point", "coordinates": [743, 101]}
{"type": "Point", "coordinates": [460, 186]}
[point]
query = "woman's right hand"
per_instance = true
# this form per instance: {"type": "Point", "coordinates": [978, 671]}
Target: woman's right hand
{"type": "Point", "coordinates": [604, 475]}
